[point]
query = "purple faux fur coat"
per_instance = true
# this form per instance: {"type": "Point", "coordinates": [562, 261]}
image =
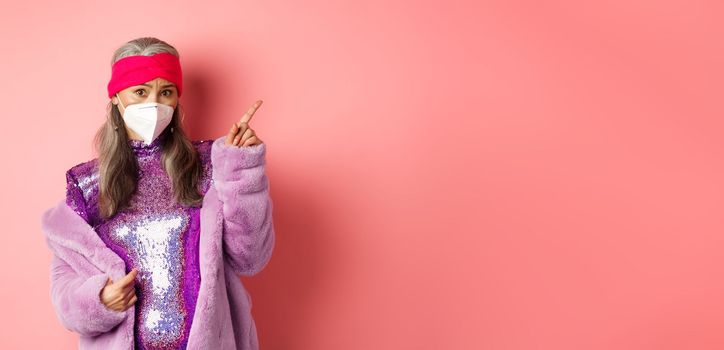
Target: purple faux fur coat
{"type": "Point", "coordinates": [236, 239]}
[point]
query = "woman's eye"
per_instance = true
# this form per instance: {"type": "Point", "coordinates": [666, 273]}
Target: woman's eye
{"type": "Point", "coordinates": [139, 92]}
{"type": "Point", "coordinates": [166, 92]}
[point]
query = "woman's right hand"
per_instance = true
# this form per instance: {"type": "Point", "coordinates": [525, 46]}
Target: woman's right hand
{"type": "Point", "coordinates": [120, 295]}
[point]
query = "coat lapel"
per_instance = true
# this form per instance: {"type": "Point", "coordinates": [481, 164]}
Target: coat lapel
{"type": "Point", "coordinates": [76, 242]}
{"type": "Point", "coordinates": [211, 327]}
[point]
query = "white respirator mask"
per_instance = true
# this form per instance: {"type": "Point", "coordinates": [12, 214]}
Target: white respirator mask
{"type": "Point", "coordinates": [147, 119]}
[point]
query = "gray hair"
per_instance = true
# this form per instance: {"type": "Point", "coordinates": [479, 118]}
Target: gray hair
{"type": "Point", "coordinates": [145, 46]}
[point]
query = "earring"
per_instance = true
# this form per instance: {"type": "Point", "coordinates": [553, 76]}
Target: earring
{"type": "Point", "coordinates": [172, 129]}
{"type": "Point", "coordinates": [115, 128]}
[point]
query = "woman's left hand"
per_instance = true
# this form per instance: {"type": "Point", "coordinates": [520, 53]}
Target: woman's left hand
{"type": "Point", "coordinates": [241, 135]}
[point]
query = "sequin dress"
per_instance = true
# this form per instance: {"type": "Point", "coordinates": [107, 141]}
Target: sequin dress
{"type": "Point", "coordinates": [155, 235]}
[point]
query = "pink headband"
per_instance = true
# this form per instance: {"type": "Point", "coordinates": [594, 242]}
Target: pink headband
{"type": "Point", "coordinates": [136, 70]}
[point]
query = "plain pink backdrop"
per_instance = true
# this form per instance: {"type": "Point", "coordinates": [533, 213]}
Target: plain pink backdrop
{"type": "Point", "coordinates": [446, 175]}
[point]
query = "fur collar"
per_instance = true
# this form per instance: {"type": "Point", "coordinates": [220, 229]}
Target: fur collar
{"type": "Point", "coordinates": [71, 237]}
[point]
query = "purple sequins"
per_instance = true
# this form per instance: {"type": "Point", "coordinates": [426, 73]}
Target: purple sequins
{"type": "Point", "coordinates": [155, 235]}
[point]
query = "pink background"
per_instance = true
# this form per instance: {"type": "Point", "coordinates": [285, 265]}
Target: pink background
{"type": "Point", "coordinates": [446, 175]}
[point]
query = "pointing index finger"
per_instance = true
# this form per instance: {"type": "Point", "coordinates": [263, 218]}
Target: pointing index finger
{"type": "Point", "coordinates": [250, 112]}
{"type": "Point", "coordinates": [129, 278]}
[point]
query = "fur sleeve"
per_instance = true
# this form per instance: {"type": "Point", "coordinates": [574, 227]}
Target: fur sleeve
{"type": "Point", "coordinates": [77, 301]}
{"type": "Point", "coordinates": [239, 178]}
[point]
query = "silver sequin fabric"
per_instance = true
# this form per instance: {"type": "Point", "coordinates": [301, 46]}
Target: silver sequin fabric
{"type": "Point", "coordinates": [155, 235]}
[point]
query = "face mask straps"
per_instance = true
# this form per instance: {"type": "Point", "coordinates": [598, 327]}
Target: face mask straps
{"type": "Point", "coordinates": [119, 101]}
